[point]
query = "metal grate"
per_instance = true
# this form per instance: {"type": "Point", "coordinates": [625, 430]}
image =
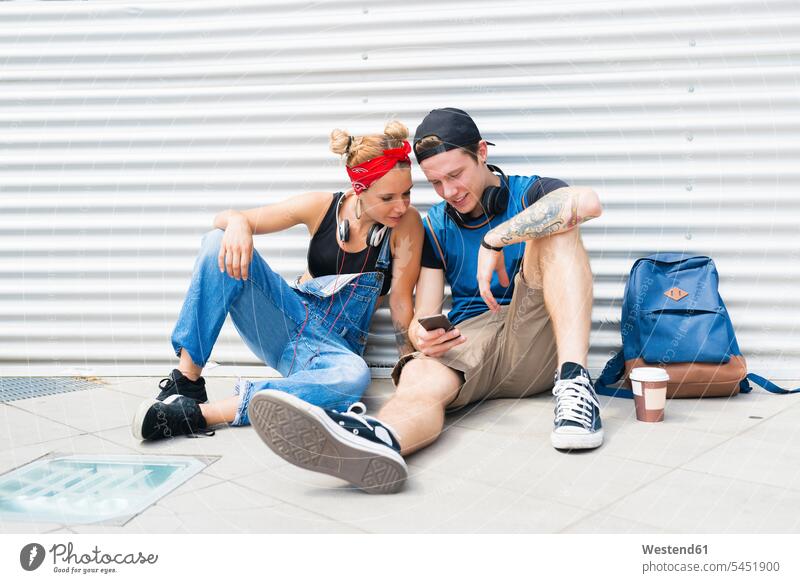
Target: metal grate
{"type": "Point", "coordinates": [83, 489]}
{"type": "Point", "coordinates": [16, 388]}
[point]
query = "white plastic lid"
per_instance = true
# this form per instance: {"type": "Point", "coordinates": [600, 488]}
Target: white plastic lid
{"type": "Point", "coordinates": [649, 374]}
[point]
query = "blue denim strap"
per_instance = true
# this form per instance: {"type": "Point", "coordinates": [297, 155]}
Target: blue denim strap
{"type": "Point", "coordinates": [383, 258]}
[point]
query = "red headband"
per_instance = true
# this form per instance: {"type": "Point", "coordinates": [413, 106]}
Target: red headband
{"type": "Point", "coordinates": [364, 174]}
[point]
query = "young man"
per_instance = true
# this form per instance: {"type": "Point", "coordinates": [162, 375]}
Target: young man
{"type": "Point", "coordinates": [510, 249]}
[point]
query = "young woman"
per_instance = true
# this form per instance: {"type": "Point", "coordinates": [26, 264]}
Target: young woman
{"type": "Point", "coordinates": [364, 242]}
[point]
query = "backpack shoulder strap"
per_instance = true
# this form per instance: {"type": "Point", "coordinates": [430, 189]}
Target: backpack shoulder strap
{"type": "Point", "coordinates": [612, 373]}
{"type": "Point", "coordinates": [744, 386]}
{"type": "Point", "coordinates": [436, 240]}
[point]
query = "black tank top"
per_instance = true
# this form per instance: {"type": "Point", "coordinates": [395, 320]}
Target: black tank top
{"type": "Point", "coordinates": [325, 256]}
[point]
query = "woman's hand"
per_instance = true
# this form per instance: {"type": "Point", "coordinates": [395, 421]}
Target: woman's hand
{"type": "Point", "coordinates": [236, 250]}
{"type": "Point", "coordinates": [436, 342]}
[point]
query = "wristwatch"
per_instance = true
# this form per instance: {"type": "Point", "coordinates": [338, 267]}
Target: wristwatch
{"type": "Point", "coordinates": [490, 247]}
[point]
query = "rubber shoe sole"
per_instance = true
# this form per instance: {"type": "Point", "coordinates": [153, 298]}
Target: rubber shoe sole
{"type": "Point", "coordinates": [305, 436]}
{"type": "Point", "coordinates": [138, 418]}
{"type": "Point", "coordinates": [581, 440]}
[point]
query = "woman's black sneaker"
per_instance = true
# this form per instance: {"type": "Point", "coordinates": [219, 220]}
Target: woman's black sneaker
{"type": "Point", "coordinates": [175, 415]}
{"type": "Point", "coordinates": [347, 444]}
{"type": "Point", "coordinates": [177, 384]}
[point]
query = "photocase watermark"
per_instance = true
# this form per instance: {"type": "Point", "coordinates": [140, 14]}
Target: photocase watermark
{"type": "Point", "coordinates": [67, 560]}
{"type": "Point", "coordinates": [31, 556]}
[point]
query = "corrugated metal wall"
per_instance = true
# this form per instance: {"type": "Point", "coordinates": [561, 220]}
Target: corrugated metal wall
{"type": "Point", "coordinates": [124, 127]}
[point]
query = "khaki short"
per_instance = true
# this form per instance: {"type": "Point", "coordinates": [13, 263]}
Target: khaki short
{"type": "Point", "coordinates": [510, 354]}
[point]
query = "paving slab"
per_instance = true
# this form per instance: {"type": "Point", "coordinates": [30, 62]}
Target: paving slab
{"type": "Point", "coordinates": [747, 458]}
{"type": "Point", "coordinates": [604, 522]}
{"type": "Point", "coordinates": [19, 427]}
{"type": "Point", "coordinates": [282, 518]}
{"type": "Point", "coordinates": [529, 465]}
{"type": "Point", "coordinates": [87, 411]}
{"type": "Point", "coordinates": [687, 501]}
{"type": "Point", "coordinates": [430, 502]}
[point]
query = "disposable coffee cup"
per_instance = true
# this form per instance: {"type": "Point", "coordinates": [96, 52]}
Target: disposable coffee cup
{"type": "Point", "coordinates": [649, 393]}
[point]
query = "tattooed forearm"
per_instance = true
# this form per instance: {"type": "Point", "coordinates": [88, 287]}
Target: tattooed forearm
{"type": "Point", "coordinates": [404, 345]}
{"type": "Point", "coordinates": [553, 213]}
{"type": "Point", "coordinates": [536, 221]}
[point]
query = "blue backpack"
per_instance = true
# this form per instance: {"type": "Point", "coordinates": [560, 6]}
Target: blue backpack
{"type": "Point", "coordinates": [674, 318]}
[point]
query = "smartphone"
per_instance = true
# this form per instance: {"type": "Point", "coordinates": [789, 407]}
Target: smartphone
{"type": "Point", "coordinates": [436, 322]}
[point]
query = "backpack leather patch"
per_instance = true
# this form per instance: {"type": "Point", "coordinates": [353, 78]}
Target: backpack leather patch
{"type": "Point", "coordinates": [676, 294]}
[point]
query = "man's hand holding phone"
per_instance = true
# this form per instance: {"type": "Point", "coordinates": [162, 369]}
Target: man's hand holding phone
{"type": "Point", "coordinates": [436, 335]}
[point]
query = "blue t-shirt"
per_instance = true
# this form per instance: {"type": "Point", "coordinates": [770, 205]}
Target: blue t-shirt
{"type": "Point", "coordinates": [455, 249]}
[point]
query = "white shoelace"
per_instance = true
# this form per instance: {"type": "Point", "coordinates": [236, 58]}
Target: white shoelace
{"type": "Point", "coordinates": [574, 400]}
{"type": "Point", "coordinates": [380, 430]}
{"type": "Point", "coordinates": [352, 411]}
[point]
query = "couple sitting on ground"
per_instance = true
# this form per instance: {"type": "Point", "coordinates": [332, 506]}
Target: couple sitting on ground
{"type": "Point", "coordinates": [508, 246]}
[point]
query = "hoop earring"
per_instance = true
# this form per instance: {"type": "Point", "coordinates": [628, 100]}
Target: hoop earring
{"type": "Point", "coordinates": [358, 208]}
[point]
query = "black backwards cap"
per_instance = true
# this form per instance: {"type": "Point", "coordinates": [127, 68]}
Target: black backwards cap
{"type": "Point", "coordinates": [454, 127]}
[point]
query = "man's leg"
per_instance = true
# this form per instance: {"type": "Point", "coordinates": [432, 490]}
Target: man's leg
{"type": "Point", "coordinates": [351, 445]}
{"type": "Point", "coordinates": [299, 419]}
{"type": "Point", "coordinates": [416, 410]}
{"type": "Point", "coordinates": [559, 264]}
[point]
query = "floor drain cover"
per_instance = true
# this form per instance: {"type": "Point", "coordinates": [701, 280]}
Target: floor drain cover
{"type": "Point", "coordinates": [16, 388]}
{"type": "Point", "coordinates": [81, 489]}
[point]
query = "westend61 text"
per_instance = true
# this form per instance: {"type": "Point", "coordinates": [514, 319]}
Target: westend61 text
{"type": "Point", "coordinates": [65, 554]}
{"type": "Point", "coordinates": [671, 550]}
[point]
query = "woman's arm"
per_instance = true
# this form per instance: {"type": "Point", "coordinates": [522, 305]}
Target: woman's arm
{"type": "Point", "coordinates": [308, 209]}
{"type": "Point", "coordinates": [406, 256]}
{"type": "Point", "coordinates": [236, 249]}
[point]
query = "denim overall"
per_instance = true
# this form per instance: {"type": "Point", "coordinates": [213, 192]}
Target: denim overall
{"type": "Point", "coordinates": [313, 333]}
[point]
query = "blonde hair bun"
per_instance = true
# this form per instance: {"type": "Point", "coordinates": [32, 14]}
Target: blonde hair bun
{"type": "Point", "coordinates": [396, 130]}
{"type": "Point", "coordinates": [340, 140]}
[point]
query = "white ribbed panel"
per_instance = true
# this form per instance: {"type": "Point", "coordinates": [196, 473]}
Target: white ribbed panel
{"type": "Point", "coordinates": [125, 127]}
